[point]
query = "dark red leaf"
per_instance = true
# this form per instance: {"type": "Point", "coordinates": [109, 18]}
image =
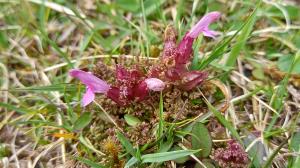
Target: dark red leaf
{"type": "Point", "coordinates": [193, 78]}
{"type": "Point", "coordinates": [155, 71]}
{"type": "Point", "coordinates": [176, 72]}
{"type": "Point", "coordinates": [169, 42]}
{"type": "Point", "coordinates": [184, 50]}
{"type": "Point", "coordinates": [114, 94]}
{"type": "Point", "coordinates": [141, 91]}
{"type": "Point", "coordinates": [127, 76]}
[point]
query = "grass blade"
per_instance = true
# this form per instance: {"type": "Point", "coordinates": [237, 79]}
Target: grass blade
{"type": "Point", "coordinates": [131, 162]}
{"type": "Point", "coordinates": [126, 143]}
{"type": "Point", "coordinates": [218, 52]}
{"type": "Point", "coordinates": [166, 156]}
{"type": "Point", "coordinates": [82, 121]}
{"type": "Point", "coordinates": [223, 121]}
{"type": "Point", "coordinates": [14, 108]}
{"type": "Point", "coordinates": [89, 162]}
{"type": "Point", "coordinates": [242, 38]}
{"type": "Point", "coordinates": [280, 93]}
{"type": "Point", "coordinates": [270, 159]}
{"type": "Point", "coordinates": [161, 120]}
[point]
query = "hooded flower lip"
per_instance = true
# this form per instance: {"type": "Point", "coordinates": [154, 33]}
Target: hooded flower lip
{"type": "Point", "coordinates": [88, 97]}
{"type": "Point", "coordinates": [92, 82]}
{"type": "Point", "coordinates": [185, 46]}
{"type": "Point", "coordinates": [93, 85]}
{"type": "Point", "coordinates": [202, 25]}
{"type": "Point", "coordinates": [175, 58]}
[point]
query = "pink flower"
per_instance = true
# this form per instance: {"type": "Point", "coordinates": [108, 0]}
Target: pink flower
{"type": "Point", "coordinates": [175, 58]}
{"type": "Point", "coordinates": [133, 85]}
{"type": "Point", "coordinates": [185, 46]}
{"type": "Point", "coordinates": [130, 86]}
{"type": "Point", "coordinates": [202, 26]}
{"type": "Point", "coordinates": [93, 85]}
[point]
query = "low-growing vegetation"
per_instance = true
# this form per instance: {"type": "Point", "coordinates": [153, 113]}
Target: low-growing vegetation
{"type": "Point", "coordinates": [149, 83]}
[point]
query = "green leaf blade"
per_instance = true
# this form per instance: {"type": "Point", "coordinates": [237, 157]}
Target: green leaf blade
{"type": "Point", "coordinates": [201, 140]}
{"type": "Point", "coordinates": [82, 121]}
{"type": "Point", "coordinates": [166, 156]}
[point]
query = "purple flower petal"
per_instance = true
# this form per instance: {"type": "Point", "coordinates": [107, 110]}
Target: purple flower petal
{"type": "Point", "coordinates": [185, 47]}
{"type": "Point", "coordinates": [155, 84]}
{"type": "Point", "coordinates": [210, 33]}
{"type": "Point", "coordinates": [94, 83]}
{"type": "Point", "coordinates": [202, 25]}
{"type": "Point", "coordinates": [88, 97]}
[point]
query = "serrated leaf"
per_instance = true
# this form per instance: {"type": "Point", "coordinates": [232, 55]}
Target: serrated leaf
{"type": "Point", "coordinates": [166, 156]}
{"type": "Point", "coordinates": [82, 121]}
{"type": "Point", "coordinates": [131, 120]}
{"type": "Point", "coordinates": [201, 140]}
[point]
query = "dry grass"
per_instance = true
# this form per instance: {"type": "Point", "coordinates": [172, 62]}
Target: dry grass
{"type": "Point", "coordinates": [40, 41]}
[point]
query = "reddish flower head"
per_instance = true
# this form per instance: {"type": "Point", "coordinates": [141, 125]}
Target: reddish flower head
{"type": "Point", "coordinates": [175, 57]}
{"type": "Point", "coordinates": [133, 85]}
{"type": "Point", "coordinates": [232, 156]}
{"type": "Point", "coordinates": [130, 86]}
{"type": "Point", "coordinates": [186, 44]}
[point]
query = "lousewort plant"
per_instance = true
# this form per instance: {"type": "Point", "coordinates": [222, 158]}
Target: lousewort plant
{"type": "Point", "coordinates": [135, 85]}
{"type": "Point", "coordinates": [135, 117]}
{"type": "Point", "coordinates": [131, 85]}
